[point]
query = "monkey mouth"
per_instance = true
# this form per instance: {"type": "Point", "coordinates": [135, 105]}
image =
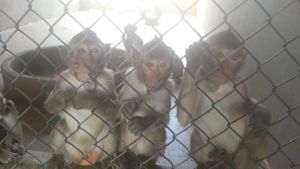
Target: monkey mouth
{"type": "Point", "coordinates": [154, 86]}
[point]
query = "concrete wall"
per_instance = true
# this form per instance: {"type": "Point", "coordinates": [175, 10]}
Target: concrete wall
{"type": "Point", "coordinates": [278, 80]}
{"type": "Point", "coordinates": [17, 11]}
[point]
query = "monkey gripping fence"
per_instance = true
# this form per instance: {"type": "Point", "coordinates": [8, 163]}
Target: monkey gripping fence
{"type": "Point", "coordinates": [270, 35]}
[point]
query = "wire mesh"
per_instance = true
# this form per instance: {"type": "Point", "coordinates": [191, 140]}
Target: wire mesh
{"type": "Point", "coordinates": [31, 43]}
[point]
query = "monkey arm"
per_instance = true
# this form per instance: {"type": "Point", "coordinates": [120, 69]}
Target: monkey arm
{"type": "Point", "coordinates": [104, 84]}
{"type": "Point", "coordinates": [260, 119]}
{"type": "Point", "coordinates": [195, 54]}
{"type": "Point", "coordinates": [55, 101]}
{"type": "Point", "coordinates": [59, 97]}
{"type": "Point", "coordinates": [129, 108]}
{"type": "Point", "coordinates": [177, 71]}
{"type": "Point", "coordinates": [142, 119]}
{"type": "Point", "coordinates": [94, 91]}
{"type": "Point", "coordinates": [189, 100]}
{"type": "Point", "coordinates": [153, 110]}
{"type": "Point", "coordinates": [256, 139]}
{"type": "Point", "coordinates": [138, 124]}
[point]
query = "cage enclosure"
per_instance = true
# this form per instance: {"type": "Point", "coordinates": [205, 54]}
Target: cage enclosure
{"type": "Point", "coordinates": [31, 33]}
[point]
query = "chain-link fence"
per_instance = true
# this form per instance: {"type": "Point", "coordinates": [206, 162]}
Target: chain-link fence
{"type": "Point", "coordinates": [33, 33]}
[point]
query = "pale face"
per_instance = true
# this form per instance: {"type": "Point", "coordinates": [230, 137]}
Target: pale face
{"type": "Point", "coordinates": [223, 61]}
{"type": "Point", "coordinates": [155, 71]}
{"type": "Point", "coordinates": [232, 61]}
{"type": "Point", "coordinates": [85, 58]}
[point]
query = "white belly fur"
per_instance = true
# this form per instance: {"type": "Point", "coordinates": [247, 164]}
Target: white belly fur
{"type": "Point", "coordinates": [85, 127]}
{"type": "Point", "coordinates": [215, 125]}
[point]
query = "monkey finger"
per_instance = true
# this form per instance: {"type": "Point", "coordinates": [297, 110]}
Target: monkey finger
{"type": "Point", "coordinates": [136, 131]}
{"type": "Point", "coordinates": [17, 148]}
{"type": "Point", "coordinates": [133, 130]}
{"type": "Point", "coordinates": [134, 126]}
{"type": "Point", "coordinates": [131, 125]}
{"type": "Point", "coordinates": [258, 128]}
{"type": "Point", "coordinates": [127, 113]}
{"type": "Point", "coordinates": [129, 109]}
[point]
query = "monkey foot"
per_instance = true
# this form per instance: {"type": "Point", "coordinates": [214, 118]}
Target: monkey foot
{"type": "Point", "coordinates": [89, 158]}
{"type": "Point", "coordinates": [217, 155]}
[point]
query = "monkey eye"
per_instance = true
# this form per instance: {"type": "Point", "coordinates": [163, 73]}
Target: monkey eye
{"type": "Point", "coordinates": [163, 64]}
{"type": "Point", "coordinates": [94, 51]}
{"type": "Point", "coordinates": [235, 57]}
{"type": "Point", "coordinates": [149, 64]}
{"type": "Point", "coordinates": [76, 63]}
{"type": "Point", "coordinates": [80, 51]}
{"type": "Point", "coordinates": [217, 54]}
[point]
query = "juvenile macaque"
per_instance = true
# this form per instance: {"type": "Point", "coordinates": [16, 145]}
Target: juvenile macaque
{"type": "Point", "coordinates": [82, 99]}
{"type": "Point", "coordinates": [145, 101]}
{"type": "Point", "coordinates": [11, 146]}
{"type": "Point", "coordinates": [229, 128]}
{"type": "Point", "coordinates": [133, 42]}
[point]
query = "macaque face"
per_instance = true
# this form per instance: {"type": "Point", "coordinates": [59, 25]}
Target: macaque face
{"type": "Point", "coordinates": [156, 70]}
{"type": "Point", "coordinates": [85, 58]}
{"type": "Point", "coordinates": [224, 61]}
{"type": "Point", "coordinates": [232, 62]}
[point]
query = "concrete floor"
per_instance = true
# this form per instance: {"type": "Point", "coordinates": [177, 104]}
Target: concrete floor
{"type": "Point", "coordinates": [35, 134]}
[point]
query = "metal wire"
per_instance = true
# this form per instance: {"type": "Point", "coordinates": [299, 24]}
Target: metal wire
{"type": "Point", "coordinates": [283, 150]}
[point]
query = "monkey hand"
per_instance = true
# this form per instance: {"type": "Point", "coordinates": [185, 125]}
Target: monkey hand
{"type": "Point", "coordinates": [138, 124]}
{"type": "Point", "coordinates": [89, 85]}
{"type": "Point", "coordinates": [16, 151]}
{"type": "Point", "coordinates": [56, 101]}
{"type": "Point", "coordinates": [130, 29]}
{"type": "Point", "coordinates": [195, 53]}
{"type": "Point", "coordinates": [129, 109]}
{"type": "Point", "coordinates": [259, 121]}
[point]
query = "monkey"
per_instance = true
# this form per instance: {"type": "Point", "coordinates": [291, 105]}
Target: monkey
{"type": "Point", "coordinates": [83, 103]}
{"type": "Point", "coordinates": [132, 41]}
{"type": "Point", "coordinates": [230, 129]}
{"type": "Point", "coordinates": [145, 102]}
{"type": "Point", "coordinates": [11, 137]}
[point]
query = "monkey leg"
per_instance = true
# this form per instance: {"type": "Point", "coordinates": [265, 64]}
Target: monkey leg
{"type": "Point", "coordinates": [104, 164]}
{"type": "Point", "coordinates": [245, 159]}
{"type": "Point", "coordinates": [133, 161]}
{"type": "Point", "coordinates": [207, 156]}
{"type": "Point", "coordinates": [253, 148]}
{"type": "Point", "coordinates": [219, 159]}
{"type": "Point", "coordinates": [56, 162]}
{"type": "Point", "coordinates": [199, 153]}
{"type": "Point", "coordinates": [144, 150]}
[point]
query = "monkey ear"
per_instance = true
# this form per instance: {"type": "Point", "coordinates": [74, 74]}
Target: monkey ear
{"type": "Point", "coordinates": [135, 57]}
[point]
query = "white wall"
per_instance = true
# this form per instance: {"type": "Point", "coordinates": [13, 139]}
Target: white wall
{"type": "Point", "coordinates": [19, 11]}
